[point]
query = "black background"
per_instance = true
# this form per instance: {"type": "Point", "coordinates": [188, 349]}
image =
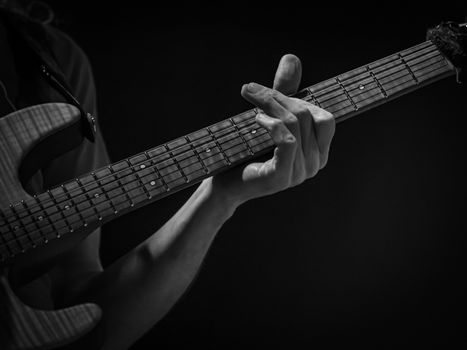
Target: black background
{"type": "Point", "coordinates": [371, 252]}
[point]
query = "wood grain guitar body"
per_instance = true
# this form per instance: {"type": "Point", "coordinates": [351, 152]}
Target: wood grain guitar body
{"type": "Point", "coordinates": [29, 138]}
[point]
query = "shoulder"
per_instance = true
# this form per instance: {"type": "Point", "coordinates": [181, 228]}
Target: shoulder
{"type": "Point", "coordinates": [75, 65]}
{"type": "Point", "coordinates": [67, 52]}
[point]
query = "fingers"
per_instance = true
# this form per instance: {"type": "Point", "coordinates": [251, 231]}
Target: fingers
{"type": "Point", "coordinates": [311, 126]}
{"type": "Point", "coordinates": [285, 152]}
{"type": "Point", "coordinates": [317, 126]}
{"type": "Point", "coordinates": [324, 127]}
{"type": "Point", "coordinates": [266, 99]}
{"type": "Point", "coordinates": [288, 75]}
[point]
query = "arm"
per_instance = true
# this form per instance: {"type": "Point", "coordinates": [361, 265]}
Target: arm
{"type": "Point", "coordinates": [140, 288]}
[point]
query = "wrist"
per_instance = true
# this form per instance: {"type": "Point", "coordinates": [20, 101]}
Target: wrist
{"type": "Point", "coordinates": [221, 199]}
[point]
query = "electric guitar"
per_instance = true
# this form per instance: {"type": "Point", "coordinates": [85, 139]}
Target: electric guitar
{"type": "Point", "coordinates": [35, 229]}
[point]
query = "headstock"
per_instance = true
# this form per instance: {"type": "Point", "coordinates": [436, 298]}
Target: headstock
{"type": "Point", "coordinates": [451, 40]}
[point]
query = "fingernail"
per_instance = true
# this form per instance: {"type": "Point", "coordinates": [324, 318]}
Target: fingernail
{"type": "Point", "coordinates": [253, 88]}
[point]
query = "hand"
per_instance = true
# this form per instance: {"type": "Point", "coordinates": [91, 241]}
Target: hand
{"type": "Point", "coordinates": [301, 131]}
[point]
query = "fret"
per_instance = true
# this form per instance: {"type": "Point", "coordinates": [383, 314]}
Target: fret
{"type": "Point", "coordinates": [154, 153]}
{"type": "Point", "coordinates": [9, 238]}
{"type": "Point", "coordinates": [246, 124]}
{"type": "Point", "coordinates": [169, 171]}
{"type": "Point", "coordinates": [313, 99]}
{"type": "Point", "coordinates": [401, 75]}
{"type": "Point", "coordinates": [213, 158]}
{"type": "Point", "coordinates": [346, 93]}
{"type": "Point", "coordinates": [383, 92]}
{"type": "Point", "coordinates": [87, 208]}
{"type": "Point", "coordinates": [398, 84]}
{"type": "Point", "coordinates": [24, 221]}
{"type": "Point", "coordinates": [99, 199]}
{"type": "Point", "coordinates": [363, 79]}
{"type": "Point", "coordinates": [240, 135]}
{"type": "Point", "coordinates": [135, 188]}
{"type": "Point", "coordinates": [345, 111]}
{"type": "Point", "coordinates": [60, 221]}
{"type": "Point", "coordinates": [203, 144]}
{"type": "Point", "coordinates": [41, 215]}
{"type": "Point", "coordinates": [206, 170]}
{"type": "Point", "coordinates": [102, 177]}
{"type": "Point", "coordinates": [144, 171]}
{"type": "Point", "coordinates": [31, 232]}
{"type": "Point", "coordinates": [178, 151]}
{"type": "Point", "coordinates": [18, 229]}
{"type": "Point", "coordinates": [368, 97]}
{"type": "Point", "coordinates": [120, 198]}
{"type": "Point", "coordinates": [218, 146]}
{"type": "Point", "coordinates": [234, 148]}
{"type": "Point", "coordinates": [260, 140]}
{"type": "Point", "coordinates": [177, 165]}
{"type": "Point", "coordinates": [74, 192]}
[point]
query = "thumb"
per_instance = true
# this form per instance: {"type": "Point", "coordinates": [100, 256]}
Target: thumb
{"type": "Point", "coordinates": [288, 75]}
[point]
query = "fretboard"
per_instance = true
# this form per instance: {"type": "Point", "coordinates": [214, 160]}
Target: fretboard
{"type": "Point", "coordinates": [144, 178]}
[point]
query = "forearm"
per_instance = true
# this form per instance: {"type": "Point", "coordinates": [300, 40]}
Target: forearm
{"type": "Point", "coordinates": [140, 288]}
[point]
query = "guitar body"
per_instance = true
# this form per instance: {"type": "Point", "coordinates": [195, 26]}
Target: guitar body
{"type": "Point", "coordinates": [30, 138]}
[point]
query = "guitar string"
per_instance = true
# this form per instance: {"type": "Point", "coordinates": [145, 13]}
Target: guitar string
{"type": "Point", "coordinates": [135, 179]}
{"type": "Point", "coordinates": [366, 74]}
{"type": "Point", "coordinates": [376, 88]}
{"type": "Point", "coordinates": [388, 66]}
{"type": "Point", "coordinates": [63, 195]}
{"type": "Point", "coordinates": [143, 194]}
{"type": "Point", "coordinates": [207, 139]}
{"type": "Point", "coordinates": [117, 179]}
{"type": "Point", "coordinates": [65, 220]}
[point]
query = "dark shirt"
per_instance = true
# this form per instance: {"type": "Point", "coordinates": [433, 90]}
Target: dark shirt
{"type": "Point", "coordinates": [25, 86]}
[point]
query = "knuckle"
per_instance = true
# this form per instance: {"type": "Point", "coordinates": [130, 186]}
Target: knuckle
{"type": "Point", "coordinates": [325, 116]}
{"type": "Point", "coordinates": [290, 140]}
{"type": "Point", "coordinates": [290, 119]}
{"type": "Point", "coordinates": [277, 124]}
{"type": "Point", "coordinates": [302, 110]}
{"type": "Point", "coordinates": [270, 95]}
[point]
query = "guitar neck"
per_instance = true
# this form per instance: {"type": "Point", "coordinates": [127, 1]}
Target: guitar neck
{"type": "Point", "coordinates": [144, 178]}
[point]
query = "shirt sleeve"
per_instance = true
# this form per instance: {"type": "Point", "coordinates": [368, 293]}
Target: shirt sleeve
{"type": "Point", "coordinates": [77, 70]}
